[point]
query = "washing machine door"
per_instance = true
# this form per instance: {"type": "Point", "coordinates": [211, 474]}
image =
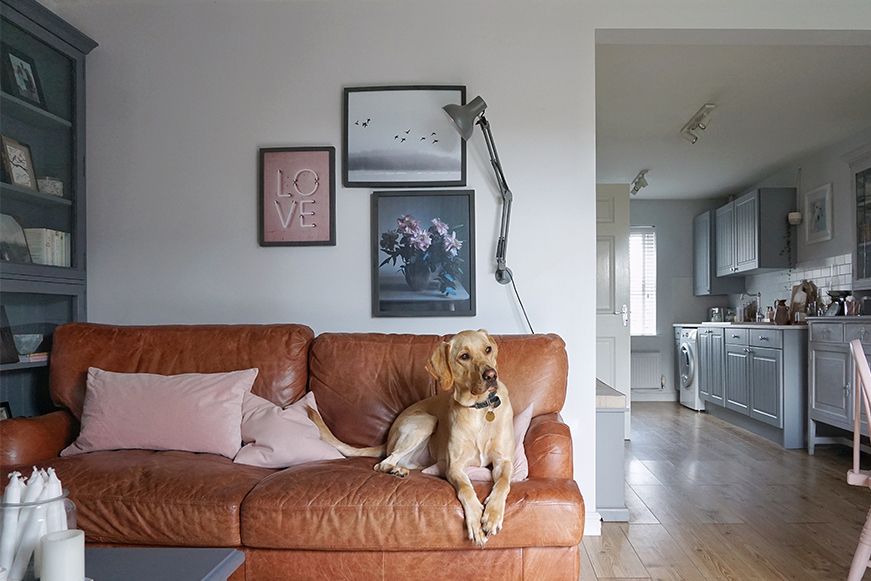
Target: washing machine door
{"type": "Point", "coordinates": [687, 366]}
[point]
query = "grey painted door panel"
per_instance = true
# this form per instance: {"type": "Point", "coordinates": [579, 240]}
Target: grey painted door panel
{"type": "Point", "coordinates": [746, 227]}
{"type": "Point", "coordinates": [725, 218]}
{"type": "Point", "coordinates": [737, 379]}
{"type": "Point", "coordinates": [766, 388]}
{"type": "Point", "coordinates": [830, 384]}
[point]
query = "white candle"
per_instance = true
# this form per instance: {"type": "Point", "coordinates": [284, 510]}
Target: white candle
{"type": "Point", "coordinates": [63, 556]}
{"type": "Point", "coordinates": [57, 516]}
{"type": "Point", "coordinates": [9, 536]}
{"type": "Point", "coordinates": [30, 523]}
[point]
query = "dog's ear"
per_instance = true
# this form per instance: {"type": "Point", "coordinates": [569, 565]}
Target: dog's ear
{"type": "Point", "coordinates": [440, 368]}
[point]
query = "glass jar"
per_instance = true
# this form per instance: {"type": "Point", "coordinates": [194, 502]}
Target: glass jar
{"type": "Point", "coordinates": [22, 525]}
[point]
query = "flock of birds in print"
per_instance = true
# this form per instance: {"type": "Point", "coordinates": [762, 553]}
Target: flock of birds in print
{"type": "Point", "coordinates": [400, 137]}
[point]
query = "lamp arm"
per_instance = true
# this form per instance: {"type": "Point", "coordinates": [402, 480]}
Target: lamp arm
{"type": "Point", "coordinates": [503, 273]}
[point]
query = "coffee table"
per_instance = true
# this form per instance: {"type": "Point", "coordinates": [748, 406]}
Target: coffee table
{"type": "Point", "coordinates": [164, 563]}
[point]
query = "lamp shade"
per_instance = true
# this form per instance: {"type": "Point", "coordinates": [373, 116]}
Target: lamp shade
{"type": "Point", "coordinates": [465, 116]}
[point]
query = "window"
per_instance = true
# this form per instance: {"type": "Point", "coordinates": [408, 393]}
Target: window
{"type": "Point", "coordinates": [642, 280]}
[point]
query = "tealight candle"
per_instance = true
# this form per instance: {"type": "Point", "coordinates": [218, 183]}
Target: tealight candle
{"type": "Point", "coordinates": [63, 556]}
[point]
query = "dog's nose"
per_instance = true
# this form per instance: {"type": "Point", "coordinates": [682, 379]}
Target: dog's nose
{"type": "Point", "coordinates": [489, 375]}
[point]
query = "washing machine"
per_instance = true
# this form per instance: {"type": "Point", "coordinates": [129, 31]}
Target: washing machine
{"type": "Point", "coordinates": [689, 370]}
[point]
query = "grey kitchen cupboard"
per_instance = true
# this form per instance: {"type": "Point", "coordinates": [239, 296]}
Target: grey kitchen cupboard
{"type": "Point", "coordinates": [737, 392]}
{"type": "Point", "coordinates": [752, 232]}
{"type": "Point", "coordinates": [43, 283]}
{"type": "Point", "coordinates": [710, 364]}
{"type": "Point", "coordinates": [831, 377]}
{"type": "Point", "coordinates": [755, 378]}
{"type": "Point", "coordinates": [705, 279]}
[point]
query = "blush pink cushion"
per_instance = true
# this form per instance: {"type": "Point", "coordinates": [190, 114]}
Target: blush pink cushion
{"type": "Point", "coordinates": [521, 466]}
{"type": "Point", "coordinates": [193, 412]}
{"type": "Point", "coordinates": [278, 438]}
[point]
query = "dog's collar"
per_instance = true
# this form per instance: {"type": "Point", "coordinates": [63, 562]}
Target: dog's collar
{"type": "Point", "coordinates": [492, 401]}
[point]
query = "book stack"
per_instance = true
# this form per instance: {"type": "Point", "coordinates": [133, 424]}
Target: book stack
{"type": "Point", "coordinates": [47, 246]}
{"type": "Point", "coordinates": [34, 357]}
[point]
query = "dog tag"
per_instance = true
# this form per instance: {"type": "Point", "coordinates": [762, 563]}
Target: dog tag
{"type": "Point", "coordinates": [490, 416]}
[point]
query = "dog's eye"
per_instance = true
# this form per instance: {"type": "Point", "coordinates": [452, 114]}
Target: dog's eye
{"type": "Point", "coordinates": [464, 356]}
{"type": "Point", "coordinates": [488, 350]}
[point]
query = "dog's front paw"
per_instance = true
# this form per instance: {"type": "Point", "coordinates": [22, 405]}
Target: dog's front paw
{"type": "Point", "coordinates": [491, 523]}
{"type": "Point", "coordinates": [473, 527]}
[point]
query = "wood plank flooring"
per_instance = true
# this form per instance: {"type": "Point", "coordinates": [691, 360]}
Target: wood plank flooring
{"type": "Point", "coordinates": [708, 500]}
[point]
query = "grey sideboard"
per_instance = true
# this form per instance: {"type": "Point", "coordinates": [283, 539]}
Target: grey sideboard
{"type": "Point", "coordinates": [753, 375]}
{"type": "Point", "coordinates": [831, 375]}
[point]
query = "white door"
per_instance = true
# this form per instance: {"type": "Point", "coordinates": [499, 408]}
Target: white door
{"type": "Point", "coordinates": [613, 346]}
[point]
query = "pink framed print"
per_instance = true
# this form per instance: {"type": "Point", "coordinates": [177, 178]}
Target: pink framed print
{"type": "Point", "coordinates": [297, 196]}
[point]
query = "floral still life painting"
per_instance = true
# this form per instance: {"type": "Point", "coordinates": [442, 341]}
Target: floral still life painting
{"type": "Point", "coordinates": [423, 253]}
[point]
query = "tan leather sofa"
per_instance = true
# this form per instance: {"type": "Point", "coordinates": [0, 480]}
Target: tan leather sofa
{"type": "Point", "coordinates": [336, 519]}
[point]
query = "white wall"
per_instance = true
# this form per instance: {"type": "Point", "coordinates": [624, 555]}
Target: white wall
{"type": "Point", "coordinates": [675, 302]}
{"type": "Point", "coordinates": [180, 94]}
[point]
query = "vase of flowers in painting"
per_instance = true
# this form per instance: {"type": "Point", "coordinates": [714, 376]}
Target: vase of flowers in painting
{"type": "Point", "coordinates": [424, 254]}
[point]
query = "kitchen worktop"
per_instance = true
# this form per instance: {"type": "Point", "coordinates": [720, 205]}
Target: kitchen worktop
{"type": "Point", "coordinates": [758, 325]}
{"type": "Point", "coordinates": [842, 318]}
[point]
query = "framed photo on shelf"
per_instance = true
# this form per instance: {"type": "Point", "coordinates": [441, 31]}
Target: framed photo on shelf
{"type": "Point", "coordinates": [17, 163]}
{"type": "Point", "coordinates": [423, 253]}
{"type": "Point", "coordinates": [296, 198]}
{"type": "Point", "coordinates": [13, 242]}
{"type": "Point", "coordinates": [5, 410]}
{"type": "Point", "coordinates": [20, 77]}
{"type": "Point", "coordinates": [818, 214]}
{"type": "Point", "coordinates": [400, 137]}
{"type": "Point", "coordinates": [8, 352]}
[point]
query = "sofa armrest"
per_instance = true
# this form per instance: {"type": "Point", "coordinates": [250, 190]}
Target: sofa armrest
{"type": "Point", "coordinates": [31, 440]}
{"type": "Point", "coordinates": [548, 446]}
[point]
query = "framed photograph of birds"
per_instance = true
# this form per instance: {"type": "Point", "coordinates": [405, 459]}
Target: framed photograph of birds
{"type": "Point", "coordinates": [399, 136]}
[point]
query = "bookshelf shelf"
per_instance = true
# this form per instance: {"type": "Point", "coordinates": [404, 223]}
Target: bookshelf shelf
{"type": "Point", "coordinates": [31, 197]}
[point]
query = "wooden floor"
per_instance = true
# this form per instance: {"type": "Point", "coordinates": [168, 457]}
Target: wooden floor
{"type": "Point", "coordinates": [711, 501]}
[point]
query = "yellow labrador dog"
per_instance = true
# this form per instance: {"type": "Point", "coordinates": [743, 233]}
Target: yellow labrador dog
{"type": "Point", "coordinates": [470, 423]}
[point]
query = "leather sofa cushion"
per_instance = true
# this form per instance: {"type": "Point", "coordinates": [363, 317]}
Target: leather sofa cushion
{"type": "Point", "coordinates": [345, 505]}
{"type": "Point", "coordinates": [280, 352]}
{"type": "Point", "coordinates": [362, 381]}
{"type": "Point", "coordinates": [141, 497]}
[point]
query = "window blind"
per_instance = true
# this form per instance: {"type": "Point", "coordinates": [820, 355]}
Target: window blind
{"type": "Point", "coordinates": [642, 280]}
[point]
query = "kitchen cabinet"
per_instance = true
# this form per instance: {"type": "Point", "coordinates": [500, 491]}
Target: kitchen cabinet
{"type": "Point", "coordinates": [831, 375]}
{"type": "Point", "coordinates": [754, 376]}
{"type": "Point", "coordinates": [710, 362]}
{"type": "Point", "coordinates": [752, 232]}
{"type": "Point", "coordinates": [860, 170]}
{"type": "Point", "coordinates": [737, 394]}
{"type": "Point", "coordinates": [706, 280]}
{"type": "Point", "coordinates": [766, 389]}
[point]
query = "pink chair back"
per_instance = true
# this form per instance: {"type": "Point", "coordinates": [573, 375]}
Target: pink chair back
{"type": "Point", "coordinates": [862, 395]}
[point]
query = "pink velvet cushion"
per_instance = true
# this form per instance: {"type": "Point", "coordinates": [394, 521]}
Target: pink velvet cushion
{"type": "Point", "coordinates": [278, 438]}
{"type": "Point", "coordinates": [192, 412]}
{"type": "Point", "coordinates": [521, 466]}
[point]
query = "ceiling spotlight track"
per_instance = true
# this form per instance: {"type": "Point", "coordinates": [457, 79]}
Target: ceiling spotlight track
{"type": "Point", "coordinates": [639, 182]}
{"type": "Point", "coordinates": [698, 122]}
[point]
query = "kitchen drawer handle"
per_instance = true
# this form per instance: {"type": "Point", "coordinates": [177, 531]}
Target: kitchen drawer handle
{"type": "Point", "coordinates": [736, 336]}
{"type": "Point", "coordinates": [763, 338]}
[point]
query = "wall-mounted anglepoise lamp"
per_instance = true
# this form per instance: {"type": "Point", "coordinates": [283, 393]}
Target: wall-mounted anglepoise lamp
{"type": "Point", "coordinates": [465, 118]}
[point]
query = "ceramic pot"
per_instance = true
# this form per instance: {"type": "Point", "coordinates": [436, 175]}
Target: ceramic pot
{"type": "Point", "coordinates": [781, 313]}
{"type": "Point", "coordinates": [417, 276]}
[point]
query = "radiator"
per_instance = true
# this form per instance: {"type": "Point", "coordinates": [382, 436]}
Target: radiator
{"type": "Point", "coordinates": [646, 372]}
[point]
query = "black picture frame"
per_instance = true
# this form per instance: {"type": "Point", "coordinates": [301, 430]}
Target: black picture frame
{"type": "Point", "coordinates": [5, 411]}
{"type": "Point", "coordinates": [261, 194]}
{"type": "Point", "coordinates": [444, 128]}
{"type": "Point", "coordinates": [10, 83]}
{"type": "Point", "coordinates": [392, 293]}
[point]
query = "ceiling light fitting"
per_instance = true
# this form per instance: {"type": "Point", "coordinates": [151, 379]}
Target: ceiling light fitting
{"type": "Point", "coordinates": [698, 122]}
{"type": "Point", "coordinates": [640, 182]}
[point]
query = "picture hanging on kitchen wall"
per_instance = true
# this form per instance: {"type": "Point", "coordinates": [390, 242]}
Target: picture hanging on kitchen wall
{"type": "Point", "coordinates": [423, 253]}
{"type": "Point", "coordinates": [818, 214]}
{"type": "Point", "coordinates": [297, 196]}
{"type": "Point", "coordinates": [400, 137]}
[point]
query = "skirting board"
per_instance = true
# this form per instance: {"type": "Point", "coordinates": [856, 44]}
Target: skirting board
{"type": "Point", "coordinates": [614, 514]}
{"type": "Point", "coordinates": [593, 525]}
{"type": "Point", "coordinates": [654, 395]}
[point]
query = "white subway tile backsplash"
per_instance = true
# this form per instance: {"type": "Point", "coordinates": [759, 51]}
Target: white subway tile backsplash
{"type": "Point", "coordinates": [834, 272]}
